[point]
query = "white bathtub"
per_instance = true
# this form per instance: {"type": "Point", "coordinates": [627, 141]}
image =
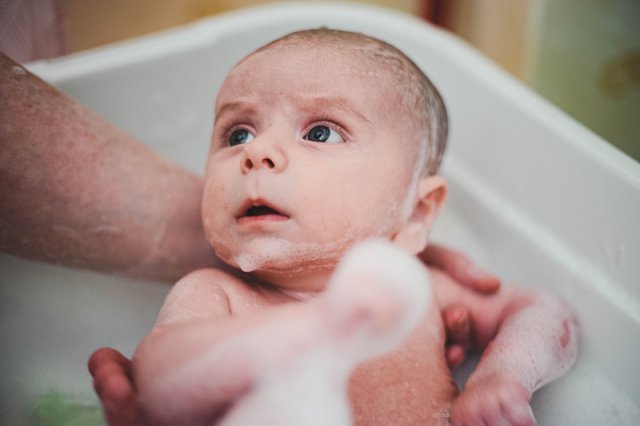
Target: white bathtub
{"type": "Point", "coordinates": [535, 197]}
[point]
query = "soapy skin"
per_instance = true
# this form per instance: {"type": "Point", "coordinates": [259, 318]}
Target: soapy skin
{"type": "Point", "coordinates": [288, 360]}
{"type": "Point", "coordinates": [530, 339]}
{"type": "Point", "coordinates": [366, 311]}
{"type": "Point", "coordinates": [225, 351]}
{"type": "Point", "coordinates": [227, 345]}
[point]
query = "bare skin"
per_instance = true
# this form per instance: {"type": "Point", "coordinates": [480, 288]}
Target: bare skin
{"type": "Point", "coordinates": [113, 377]}
{"type": "Point", "coordinates": [216, 325]}
{"type": "Point", "coordinates": [78, 192]}
{"type": "Point", "coordinates": [59, 175]}
{"type": "Point", "coordinates": [529, 338]}
{"type": "Point", "coordinates": [283, 175]}
{"type": "Point", "coordinates": [36, 117]}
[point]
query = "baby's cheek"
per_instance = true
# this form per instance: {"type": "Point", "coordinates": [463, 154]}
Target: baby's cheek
{"type": "Point", "coordinates": [214, 207]}
{"type": "Point", "coordinates": [566, 334]}
{"type": "Point", "coordinates": [213, 194]}
{"type": "Point", "coordinates": [206, 224]}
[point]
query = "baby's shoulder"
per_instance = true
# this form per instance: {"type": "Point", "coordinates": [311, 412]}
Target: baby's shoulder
{"type": "Point", "coordinates": [209, 281]}
{"type": "Point", "coordinates": [198, 295]}
{"type": "Point", "coordinates": [206, 294]}
{"type": "Point", "coordinates": [241, 295]}
{"type": "Point", "coordinates": [206, 280]}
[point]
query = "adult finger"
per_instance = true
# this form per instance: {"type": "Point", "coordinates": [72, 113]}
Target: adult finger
{"type": "Point", "coordinates": [104, 356]}
{"type": "Point", "coordinates": [119, 402]}
{"type": "Point", "coordinates": [460, 268]}
{"type": "Point", "coordinates": [458, 325]}
{"type": "Point", "coordinates": [455, 355]}
{"type": "Point", "coordinates": [112, 381]}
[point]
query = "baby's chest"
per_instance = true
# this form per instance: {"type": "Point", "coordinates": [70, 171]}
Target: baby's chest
{"type": "Point", "coordinates": [413, 385]}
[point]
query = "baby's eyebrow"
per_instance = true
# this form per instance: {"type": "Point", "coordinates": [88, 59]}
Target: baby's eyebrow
{"type": "Point", "coordinates": [310, 102]}
{"type": "Point", "coordinates": [233, 107]}
{"type": "Point", "coordinates": [336, 102]}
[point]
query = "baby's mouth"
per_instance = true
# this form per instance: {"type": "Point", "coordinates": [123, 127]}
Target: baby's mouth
{"type": "Point", "coordinates": [261, 211]}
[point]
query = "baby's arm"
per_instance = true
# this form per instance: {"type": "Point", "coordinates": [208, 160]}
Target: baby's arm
{"type": "Point", "coordinates": [200, 360]}
{"type": "Point", "coordinates": [201, 364]}
{"type": "Point", "coordinates": [530, 339]}
{"type": "Point", "coordinates": [198, 297]}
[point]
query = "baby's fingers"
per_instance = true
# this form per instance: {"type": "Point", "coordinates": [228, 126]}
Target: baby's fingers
{"type": "Point", "coordinates": [493, 404]}
{"type": "Point", "coordinates": [496, 416]}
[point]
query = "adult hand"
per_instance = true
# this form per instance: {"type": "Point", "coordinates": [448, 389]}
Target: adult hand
{"type": "Point", "coordinates": [112, 381]}
{"type": "Point", "coordinates": [457, 321]}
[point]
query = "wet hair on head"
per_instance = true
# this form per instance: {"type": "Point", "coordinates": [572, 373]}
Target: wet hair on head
{"type": "Point", "coordinates": [420, 97]}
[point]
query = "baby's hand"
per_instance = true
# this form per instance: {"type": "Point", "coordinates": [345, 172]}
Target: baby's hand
{"type": "Point", "coordinates": [498, 401]}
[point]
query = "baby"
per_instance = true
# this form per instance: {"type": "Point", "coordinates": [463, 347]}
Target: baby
{"type": "Point", "coordinates": [323, 139]}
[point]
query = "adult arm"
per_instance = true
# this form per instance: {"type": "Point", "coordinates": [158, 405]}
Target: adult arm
{"type": "Point", "coordinates": [459, 267]}
{"type": "Point", "coordinates": [76, 191]}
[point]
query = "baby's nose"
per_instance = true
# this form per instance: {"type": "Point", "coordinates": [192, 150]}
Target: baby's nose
{"type": "Point", "coordinates": [261, 154]}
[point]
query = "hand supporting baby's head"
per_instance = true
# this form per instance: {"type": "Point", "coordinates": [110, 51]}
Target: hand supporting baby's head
{"type": "Point", "coordinates": [322, 138]}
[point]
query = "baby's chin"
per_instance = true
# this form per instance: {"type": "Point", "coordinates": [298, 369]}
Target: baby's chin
{"type": "Point", "coordinates": [270, 256]}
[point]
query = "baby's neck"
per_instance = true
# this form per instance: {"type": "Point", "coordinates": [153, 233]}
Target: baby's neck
{"type": "Point", "coordinates": [291, 268]}
{"type": "Point", "coordinates": [301, 296]}
{"type": "Point", "coordinates": [298, 286]}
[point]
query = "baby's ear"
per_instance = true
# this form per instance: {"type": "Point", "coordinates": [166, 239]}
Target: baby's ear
{"type": "Point", "coordinates": [431, 195]}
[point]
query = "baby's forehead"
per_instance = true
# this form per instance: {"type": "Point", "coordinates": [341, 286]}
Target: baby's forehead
{"type": "Point", "coordinates": [355, 71]}
{"type": "Point", "coordinates": [297, 63]}
{"type": "Point", "coordinates": [349, 56]}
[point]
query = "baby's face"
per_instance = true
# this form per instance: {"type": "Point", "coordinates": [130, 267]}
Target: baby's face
{"type": "Point", "coordinates": [310, 153]}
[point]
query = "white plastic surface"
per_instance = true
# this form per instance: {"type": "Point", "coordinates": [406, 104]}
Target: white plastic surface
{"type": "Point", "coordinates": [535, 197]}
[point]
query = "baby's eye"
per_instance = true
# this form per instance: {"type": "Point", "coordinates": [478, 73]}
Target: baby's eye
{"type": "Point", "coordinates": [323, 134]}
{"type": "Point", "coordinates": [240, 136]}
